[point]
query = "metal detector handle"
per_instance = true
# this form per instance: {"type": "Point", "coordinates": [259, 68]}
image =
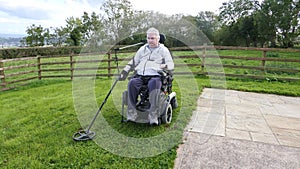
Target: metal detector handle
{"type": "Point", "coordinates": [104, 101]}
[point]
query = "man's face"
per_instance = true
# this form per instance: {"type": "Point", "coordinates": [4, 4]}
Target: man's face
{"type": "Point", "coordinates": [152, 40]}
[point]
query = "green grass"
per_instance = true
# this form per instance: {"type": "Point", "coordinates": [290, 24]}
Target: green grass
{"type": "Point", "coordinates": [37, 123]}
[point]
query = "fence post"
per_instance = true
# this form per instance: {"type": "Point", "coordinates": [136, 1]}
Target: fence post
{"type": "Point", "coordinates": [39, 67]}
{"type": "Point", "coordinates": [71, 66]}
{"type": "Point", "coordinates": [203, 57]}
{"type": "Point", "coordinates": [109, 64]}
{"type": "Point", "coordinates": [263, 62]}
{"type": "Point", "coordinates": [2, 75]}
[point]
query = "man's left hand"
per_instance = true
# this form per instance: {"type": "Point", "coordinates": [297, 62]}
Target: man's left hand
{"type": "Point", "coordinates": [163, 66]}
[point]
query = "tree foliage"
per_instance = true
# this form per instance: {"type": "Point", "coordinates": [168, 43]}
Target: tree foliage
{"type": "Point", "coordinates": [207, 22]}
{"type": "Point", "coordinates": [271, 23]}
{"type": "Point", "coordinates": [36, 35]}
{"type": "Point", "coordinates": [239, 22]}
{"type": "Point", "coordinates": [118, 16]}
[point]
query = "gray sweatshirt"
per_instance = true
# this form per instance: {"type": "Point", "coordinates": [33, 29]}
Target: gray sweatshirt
{"type": "Point", "coordinates": [147, 61]}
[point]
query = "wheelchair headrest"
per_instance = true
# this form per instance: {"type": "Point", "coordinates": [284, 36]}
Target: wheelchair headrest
{"type": "Point", "coordinates": [162, 38]}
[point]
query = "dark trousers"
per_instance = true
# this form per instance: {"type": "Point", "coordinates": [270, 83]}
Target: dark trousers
{"type": "Point", "coordinates": [154, 86]}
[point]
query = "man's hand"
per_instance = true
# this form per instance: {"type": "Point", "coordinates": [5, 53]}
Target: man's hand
{"type": "Point", "coordinates": [163, 66]}
{"type": "Point", "coordinates": [123, 75]}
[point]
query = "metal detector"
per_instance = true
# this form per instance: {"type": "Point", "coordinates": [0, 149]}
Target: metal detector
{"type": "Point", "coordinates": [84, 135]}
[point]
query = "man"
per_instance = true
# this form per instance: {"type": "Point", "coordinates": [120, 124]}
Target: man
{"type": "Point", "coordinates": [147, 62]}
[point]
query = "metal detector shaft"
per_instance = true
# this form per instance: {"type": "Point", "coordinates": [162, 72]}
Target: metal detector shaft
{"type": "Point", "coordinates": [141, 43]}
{"type": "Point", "coordinates": [99, 110]}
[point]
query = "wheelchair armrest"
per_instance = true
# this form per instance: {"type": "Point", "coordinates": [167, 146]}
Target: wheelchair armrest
{"type": "Point", "coordinates": [165, 72]}
{"type": "Point", "coordinates": [162, 73]}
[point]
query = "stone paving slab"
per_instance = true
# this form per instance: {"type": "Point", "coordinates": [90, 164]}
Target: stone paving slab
{"type": "Point", "coordinates": [249, 116]}
{"type": "Point", "coordinates": [233, 129]}
{"type": "Point", "coordinates": [209, 151]}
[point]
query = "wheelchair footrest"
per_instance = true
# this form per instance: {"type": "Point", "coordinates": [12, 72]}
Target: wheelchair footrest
{"type": "Point", "coordinates": [143, 106]}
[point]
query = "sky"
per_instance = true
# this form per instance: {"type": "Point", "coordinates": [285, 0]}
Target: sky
{"type": "Point", "coordinates": [16, 16]}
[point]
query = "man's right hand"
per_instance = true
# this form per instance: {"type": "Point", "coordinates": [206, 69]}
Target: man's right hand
{"type": "Point", "coordinates": [123, 75]}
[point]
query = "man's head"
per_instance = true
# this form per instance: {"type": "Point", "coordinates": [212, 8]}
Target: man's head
{"type": "Point", "coordinates": [153, 37]}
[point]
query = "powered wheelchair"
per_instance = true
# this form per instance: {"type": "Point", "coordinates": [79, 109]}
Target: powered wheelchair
{"type": "Point", "coordinates": [166, 101]}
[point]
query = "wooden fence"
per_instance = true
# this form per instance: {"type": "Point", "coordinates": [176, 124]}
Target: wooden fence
{"type": "Point", "coordinates": [21, 71]}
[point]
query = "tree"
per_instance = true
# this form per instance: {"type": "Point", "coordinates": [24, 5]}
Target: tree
{"type": "Point", "coordinates": [91, 26]}
{"type": "Point", "coordinates": [272, 21]}
{"type": "Point", "coordinates": [278, 21]}
{"type": "Point", "coordinates": [74, 28]}
{"type": "Point", "coordinates": [117, 18]}
{"type": "Point", "coordinates": [36, 35]}
{"type": "Point", "coordinates": [239, 23]}
{"type": "Point", "coordinates": [266, 24]}
{"type": "Point", "coordinates": [227, 35]}
{"type": "Point", "coordinates": [235, 9]}
{"type": "Point", "coordinates": [287, 15]}
{"type": "Point", "coordinates": [207, 22]}
{"type": "Point", "coordinates": [59, 36]}
{"type": "Point", "coordinates": [247, 30]}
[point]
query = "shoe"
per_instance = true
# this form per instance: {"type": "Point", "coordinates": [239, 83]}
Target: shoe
{"type": "Point", "coordinates": [131, 115]}
{"type": "Point", "coordinates": [130, 121]}
{"type": "Point", "coordinates": [153, 119]}
{"type": "Point", "coordinates": [154, 123]}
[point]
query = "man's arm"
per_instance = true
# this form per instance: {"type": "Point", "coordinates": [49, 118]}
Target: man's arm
{"type": "Point", "coordinates": [130, 66]}
{"type": "Point", "coordinates": [169, 60]}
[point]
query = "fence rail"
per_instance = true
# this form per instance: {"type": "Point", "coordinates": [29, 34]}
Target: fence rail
{"type": "Point", "coordinates": [13, 72]}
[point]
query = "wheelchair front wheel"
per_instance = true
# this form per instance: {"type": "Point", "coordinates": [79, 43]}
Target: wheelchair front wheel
{"type": "Point", "coordinates": [166, 117]}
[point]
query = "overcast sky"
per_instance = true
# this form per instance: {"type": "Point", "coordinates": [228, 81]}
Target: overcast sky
{"type": "Point", "coordinates": [16, 15]}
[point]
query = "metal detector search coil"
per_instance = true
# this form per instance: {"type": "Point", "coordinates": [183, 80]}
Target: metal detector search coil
{"type": "Point", "coordinates": [83, 135]}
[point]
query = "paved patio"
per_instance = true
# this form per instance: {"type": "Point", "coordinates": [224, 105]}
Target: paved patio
{"type": "Point", "coordinates": [262, 121]}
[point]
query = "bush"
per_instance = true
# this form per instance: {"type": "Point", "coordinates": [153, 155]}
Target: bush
{"type": "Point", "coordinates": [34, 51]}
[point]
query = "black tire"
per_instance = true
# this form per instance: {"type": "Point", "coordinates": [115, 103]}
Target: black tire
{"type": "Point", "coordinates": [174, 103]}
{"type": "Point", "coordinates": [166, 117]}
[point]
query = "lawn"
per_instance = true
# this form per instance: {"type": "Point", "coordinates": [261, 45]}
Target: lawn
{"type": "Point", "coordinates": [37, 123]}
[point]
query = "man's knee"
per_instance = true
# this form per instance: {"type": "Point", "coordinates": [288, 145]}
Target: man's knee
{"type": "Point", "coordinates": [132, 81]}
{"type": "Point", "coordinates": [135, 82]}
{"type": "Point", "coordinates": [154, 83]}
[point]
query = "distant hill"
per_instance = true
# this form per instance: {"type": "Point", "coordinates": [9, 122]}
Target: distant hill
{"type": "Point", "coordinates": [10, 40]}
{"type": "Point", "coordinates": [3, 35]}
